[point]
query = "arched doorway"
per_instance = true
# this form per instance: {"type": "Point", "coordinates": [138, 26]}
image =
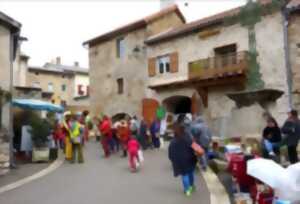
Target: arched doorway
{"type": "Point", "coordinates": [119, 116]}
{"type": "Point", "coordinates": [178, 104]}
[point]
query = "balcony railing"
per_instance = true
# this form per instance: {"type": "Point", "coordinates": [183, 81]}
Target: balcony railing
{"type": "Point", "coordinates": [219, 66]}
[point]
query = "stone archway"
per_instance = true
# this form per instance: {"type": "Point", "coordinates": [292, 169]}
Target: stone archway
{"type": "Point", "coordinates": [178, 104]}
{"type": "Point", "coordinates": [119, 116]}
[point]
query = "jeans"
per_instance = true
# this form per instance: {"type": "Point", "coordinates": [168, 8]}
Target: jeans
{"type": "Point", "coordinates": [293, 155]}
{"type": "Point", "coordinates": [187, 180]}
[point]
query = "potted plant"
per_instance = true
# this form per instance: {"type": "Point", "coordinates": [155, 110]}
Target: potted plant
{"type": "Point", "coordinates": [40, 131]}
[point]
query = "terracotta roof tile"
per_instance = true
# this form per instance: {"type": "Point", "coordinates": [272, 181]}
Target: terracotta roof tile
{"type": "Point", "coordinates": [136, 25]}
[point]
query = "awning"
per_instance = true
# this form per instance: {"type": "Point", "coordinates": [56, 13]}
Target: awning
{"type": "Point", "coordinates": [37, 105]}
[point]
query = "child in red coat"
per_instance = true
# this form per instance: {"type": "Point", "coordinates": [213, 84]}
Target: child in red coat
{"type": "Point", "coordinates": [133, 148]}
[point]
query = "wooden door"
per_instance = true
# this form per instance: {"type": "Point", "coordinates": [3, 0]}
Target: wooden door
{"type": "Point", "coordinates": [149, 109]}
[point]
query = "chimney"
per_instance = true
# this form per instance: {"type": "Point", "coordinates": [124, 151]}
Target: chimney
{"type": "Point", "coordinates": [58, 60]}
{"type": "Point", "coordinates": [76, 64]}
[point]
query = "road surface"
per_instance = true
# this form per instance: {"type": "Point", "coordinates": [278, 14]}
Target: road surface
{"type": "Point", "coordinates": [108, 181]}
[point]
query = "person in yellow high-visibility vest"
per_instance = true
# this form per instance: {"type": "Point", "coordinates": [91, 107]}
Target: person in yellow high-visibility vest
{"type": "Point", "coordinates": [67, 133]}
{"type": "Point", "coordinates": [76, 140]}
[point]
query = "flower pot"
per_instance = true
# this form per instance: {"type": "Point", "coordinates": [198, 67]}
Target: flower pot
{"type": "Point", "coordinates": [40, 154]}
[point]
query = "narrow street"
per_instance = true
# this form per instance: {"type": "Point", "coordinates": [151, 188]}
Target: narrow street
{"type": "Point", "coordinates": [109, 181]}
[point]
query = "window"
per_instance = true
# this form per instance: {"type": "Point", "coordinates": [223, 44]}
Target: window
{"type": "Point", "coordinates": [80, 90]}
{"type": "Point", "coordinates": [120, 83]}
{"type": "Point", "coordinates": [120, 48]}
{"type": "Point", "coordinates": [50, 87]}
{"type": "Point", "coordinates": [36, 84]}
{"type": "Point", "coordinates": [63, 87]}
{"type": "Point", "coordinates": [163, 64]}
{"type": "Point", "coordinates": [36, 73]}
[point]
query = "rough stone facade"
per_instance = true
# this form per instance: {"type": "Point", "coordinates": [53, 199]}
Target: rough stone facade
{"type": "Point", "coordinates": [294, 46]}
{"type": "Point", "coordinates": [106, 68]}
{"type": "Point", "coordinates": [223, 115]}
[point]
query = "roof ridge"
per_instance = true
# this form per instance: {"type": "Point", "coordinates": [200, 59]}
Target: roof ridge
{"type": "Point", "coordinates": [137, 24]}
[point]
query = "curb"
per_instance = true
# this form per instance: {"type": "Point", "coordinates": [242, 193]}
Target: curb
{"type": "Point", "coordinates": [55, 165]}
{"type": "Point", "coordinates": [218, 194]}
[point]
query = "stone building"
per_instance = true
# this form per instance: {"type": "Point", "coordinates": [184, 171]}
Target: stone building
{"type": "Point", "coordinates": [118, 59]}
{"type": "Point", "coordinates": [9, 35]}
{"type": "Point", "coordinates": [59, 83]}
{"type": "Point", "coordinates": [235, 63]}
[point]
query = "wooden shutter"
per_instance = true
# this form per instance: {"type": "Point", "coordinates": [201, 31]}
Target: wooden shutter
{"type": "Point", "coordinates": [174, 62]}
{"type": "Point", "coordinates": [152, 66]}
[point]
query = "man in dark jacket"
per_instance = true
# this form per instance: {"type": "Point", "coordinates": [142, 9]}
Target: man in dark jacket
{"type": "Point", "coordinates": [291, 130]}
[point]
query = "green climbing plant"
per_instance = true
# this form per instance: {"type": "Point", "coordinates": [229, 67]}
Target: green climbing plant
{"type": "Point", "coordinates": [249, 16]}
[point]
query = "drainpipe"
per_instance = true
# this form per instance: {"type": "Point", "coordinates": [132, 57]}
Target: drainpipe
{"type": "Point", "coordinates": [14, 37]}
{"type": "Point", "coordinates": [285, 14]}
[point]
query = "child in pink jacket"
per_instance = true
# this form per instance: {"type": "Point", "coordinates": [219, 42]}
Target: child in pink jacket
{"type": "Point", "coordinates": [133, 148]}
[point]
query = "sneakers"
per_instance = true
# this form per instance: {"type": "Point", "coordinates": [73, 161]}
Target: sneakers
{"type": "Point", "coordinates": [189, 192]}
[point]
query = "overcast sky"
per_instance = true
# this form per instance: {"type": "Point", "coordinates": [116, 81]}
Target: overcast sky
{"type": "Point", "coordinates": [58, 28]}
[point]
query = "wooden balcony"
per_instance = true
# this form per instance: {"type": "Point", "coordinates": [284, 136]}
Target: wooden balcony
{"type": "Point", "coordinates": [229, 65]}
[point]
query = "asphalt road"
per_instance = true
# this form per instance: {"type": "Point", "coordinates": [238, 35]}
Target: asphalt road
{"type": "Point", "coordinates": [108, 181]}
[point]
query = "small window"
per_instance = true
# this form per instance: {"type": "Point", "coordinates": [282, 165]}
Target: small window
{"type": "Point", "coordinates": [163, 64]}
{"type": "Point", "coordinates": [120, 48]}
{"type": "Point", "coordinates": [50, 87]}
{"type": "Point", "coordinates": [120, 83]}
{"type": "Point", "coordinates": [80, 90]}
{"type": "Point", "coordinates": [63, 87]}
{"type": "Point", "coordinates": [36, 73]}
{"type": "Point", "coordinates": [36, 84]}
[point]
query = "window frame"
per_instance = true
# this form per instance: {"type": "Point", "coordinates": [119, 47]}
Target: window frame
{"type": "Point", "coordinates": [50, 84]}
{"type": "Point", "coordinates": [165, 60]}
{"type": "Point", "coordinates": [120, 84]}
{"type": "Point", "coordinates": [121, 48]}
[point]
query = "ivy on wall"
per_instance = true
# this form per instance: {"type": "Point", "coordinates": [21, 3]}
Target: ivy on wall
{"type": "Point", "coordinates": [248, 16]}
{"type": "Point", "coordinates": [5, 96]}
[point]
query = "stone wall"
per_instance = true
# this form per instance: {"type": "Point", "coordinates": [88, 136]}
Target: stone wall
{"type": "Point", "coordinates": [294, 46]}
{"type": "Point", "coordinates": [222, 114]}
{"type": "Point", "coordinates": [106, 68]}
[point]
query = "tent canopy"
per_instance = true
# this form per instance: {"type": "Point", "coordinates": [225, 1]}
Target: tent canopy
{"type": "Point", "coordinates": [34, 104]}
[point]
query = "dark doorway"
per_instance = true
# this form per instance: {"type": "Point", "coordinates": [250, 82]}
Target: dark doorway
{"type": "Point", "coordinates": [178, 104]}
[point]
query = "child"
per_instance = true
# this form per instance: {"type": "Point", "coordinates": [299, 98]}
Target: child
{"type": "Point", "coordinates": [133, 147]}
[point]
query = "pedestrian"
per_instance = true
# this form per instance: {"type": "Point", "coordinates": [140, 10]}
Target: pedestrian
{"type": "Point", "coordinates": [183, 158]}
{"type": "Point", "coordinates": [67, 135]}
{"type": "Point", "coordinates": [134, 125]}
{"type": "Point", "coordinates": [271, 140]}
{"type": "Point", "coordinates": [143, 137]}
{"type": "Point", "coordinates": [106, 132]}
{"type": "Point", "coordinates": [58, 135]}
{"type": "Point", "coordinates": [124, 135]}
{"type": "Point", "coordinates": [163, 131]}
{"type": "Point", "coordinates": [133, 147]}
{"type": "Point", "coordinates": [291, 131]}
{"type": "Point", "coordinates": [201, 135]}
{"type": "Point", "coordinates": [77, 134]}
{"type": "Point", "coordinates": [154, 131]}
{"type": "Point", "coordinates": [88, 125]}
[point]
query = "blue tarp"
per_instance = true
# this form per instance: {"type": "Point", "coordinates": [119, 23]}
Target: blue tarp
{"type": "Point", "coordinates": [37, 105]}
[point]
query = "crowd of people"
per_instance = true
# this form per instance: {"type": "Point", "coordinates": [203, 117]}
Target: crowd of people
{"type": "Point", "coordinates": [275, 137]}
{"type": "Point", "coordinates": [189, 146]}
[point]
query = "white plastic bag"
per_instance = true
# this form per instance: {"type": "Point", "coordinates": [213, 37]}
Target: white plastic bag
{"type": "Point", "coordinates": [141, 156]}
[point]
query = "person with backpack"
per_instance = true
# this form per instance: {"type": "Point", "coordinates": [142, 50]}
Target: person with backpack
{"type": "Point", "coordinates": [182, 154]}
{"type": "Point", "coordinates": [202, 136]}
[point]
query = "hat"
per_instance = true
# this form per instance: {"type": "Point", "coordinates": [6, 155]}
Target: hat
{"type": "Point", "coordinates": [67, 113]}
